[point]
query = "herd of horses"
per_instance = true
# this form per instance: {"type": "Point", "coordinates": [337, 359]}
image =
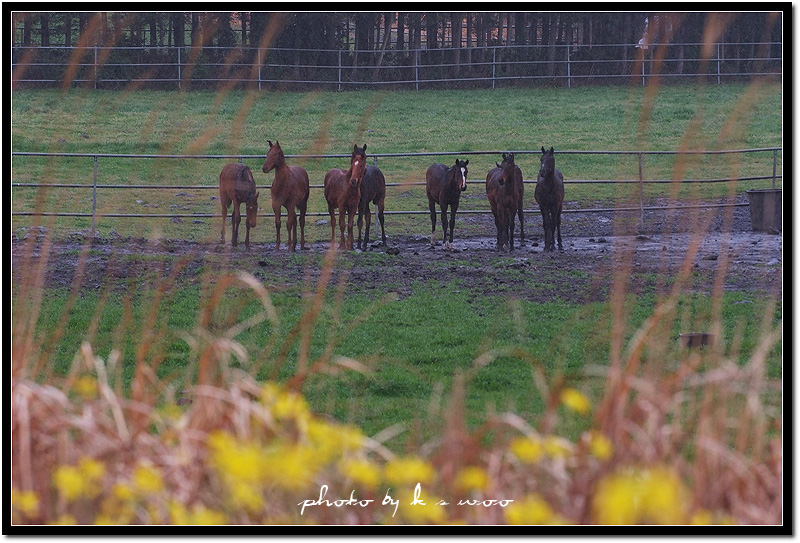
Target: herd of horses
{"type": "Point", "coordinates": [351, 191]}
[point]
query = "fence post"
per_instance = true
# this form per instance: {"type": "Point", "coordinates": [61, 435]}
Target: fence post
{"type": "Point", "coordinates": [494, 61]}
{"type": "Point", "coordinates": [258, 55]}
{"type": "Point", "coordinates": [416, 69]}
{"type": "Point", "coordinates": [718, 51]}
{"type": "Point", "coordinates": [340, 69]}
{"type": "Point", "coordinates": [94, 198]}
{"type": "Point", "coordinates": [179, 68]}
{"type": "Point", "coordinates": [774, 166]}
{"type": "Point", "coordinates": [641, 190]}
{"type": "Point", "coordinates": [569, 73]}
{"type": "Point", "coordinates": [95, 67]}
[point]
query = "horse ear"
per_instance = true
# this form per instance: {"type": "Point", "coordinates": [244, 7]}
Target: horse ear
{"type": "Point", "coordinates": [467, 162]}
{"type": "Point", "coordinates": [355, 148]}
{"type": "Point", "coordinates": [551, 150]}
{"type": "Point", "coordinates": [543, 151]}
{"type": "Point", "coordinates": [270, 143]}
{"type": "Point", "coordinates": [365, 147]}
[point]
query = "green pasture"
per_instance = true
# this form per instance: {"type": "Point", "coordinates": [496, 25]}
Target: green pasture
{"type": "Point", "coordinates": [412, 346]}
{"type": "Point", "coordinates": [239, 123]}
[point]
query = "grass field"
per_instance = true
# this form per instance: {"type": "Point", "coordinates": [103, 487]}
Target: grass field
{"type": "Point", "coordinates": [446, 372]}
{"type": "Point", "coordinates": [240, 123]}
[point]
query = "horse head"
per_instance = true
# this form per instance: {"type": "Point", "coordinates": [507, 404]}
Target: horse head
{"type": "Point", "coordinates": [358, 164]}
{"type": "Point", "coordinates": [548, 164]}
{"type": "Point", "coordinates": [252, 209]}
{"type": "Point", "coordinates": [507, 169]}
{"type": "Point", "coordinates": [275, 157]}
{"type": "Point", "coordinates": [460, 172]}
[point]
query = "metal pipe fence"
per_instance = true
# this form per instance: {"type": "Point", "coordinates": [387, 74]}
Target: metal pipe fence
{"type": "Point", "coordinates": [487, 66]}
{"type": "Point", "coordinates": [641, 181]}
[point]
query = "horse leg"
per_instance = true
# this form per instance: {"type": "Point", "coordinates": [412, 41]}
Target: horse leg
{"type": "Point", "coordinates": [224, 219]}
{"type": "Point", "coordinates": [445, 245]}
{"type": "Point", "coordinates": [558, 227]}
{"type": "Point", "coordinates": [380, 205]}
{"type": "Point", "coordinates": [247, 236]}
{"type": "Point", "coordinates": [342, 212]}
{"type": "Point", "coordinates": [453, 209]}
{"type": "Point", "coordinates": [511, 226]}
{"type": "Point", "coordinates": [521, 222]}
{"type": "Point", "coordinates": [277, 211]}
{"type": "Point", "coordinates": [303, 208]}
{"type": "Point", "coordinates": [350, 217]}
{"type": "Point", "coordinates": [432, 206]}
{"type": "Point", "coordinates": [237, 218]}
{"type": "Point", "coordinates": [332, 213]}
{"type": "Point", "coordinates": [291, 229]}
{"type": "Point", "coordinates": [367, 225]}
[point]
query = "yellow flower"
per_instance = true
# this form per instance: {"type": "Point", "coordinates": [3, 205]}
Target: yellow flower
{"type": "Point", "coordinates": [650, 496]}
{"type": "Point", "coordinates": [69, 482]}
{"type": "Point", "coordinates": [664, 497]}
{"type": "Point", "coordinates": [64, 520]}
{"type": "Point", "coordinates": [331, 441]}
{"type": "Point", "coordinates": [703, 517]}
{"type": "Point", "coordinates": [362, 472]}
{"type": "Point", "coordinates": [528, 450]}
{"type": "Point", "coordinates": [420, 509]}
{"type": "Point", "coordinates": [617, 499]}
{"type": "Point", "coordinates": [557, 447]}
{"type": "Point", "coordinates": [290, 467]}
{"type": "Point", "coordinates": [147, 479]}
{"type": "Point", "coordinates": [26, 502]}
{"type": "Point", "coordinates": [86, 387]}
{"type": "Point", "coordinates": [472, 478]}
{"type": "Point", "coordinates": [123, 492]}
{"type": "Point", "coordinates": [575, 400]}
{"type": "Point", "coordinates": [407, 470]}
{"type": "Point", "coordinates": [201, 515]}
{"type": "Point", "coordinates": [532, 509]}
{"type": "Point", "coordinates": [600, 446]}
{"type": "Point", "coordinates": [240, 461]}
{"type": "Point", "coordinates": [247, 496]}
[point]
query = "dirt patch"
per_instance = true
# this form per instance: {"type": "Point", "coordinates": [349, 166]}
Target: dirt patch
{"type": "Point", "coordinates": [652, 252]}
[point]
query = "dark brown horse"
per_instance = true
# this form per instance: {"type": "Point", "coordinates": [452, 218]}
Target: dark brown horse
{"type": "Point", "coordinates": [503, 193]}
{"type": "Point", "coordinates": [520, 186]}
{"type": "Point", "coordinates": [343, 192]}
{"type": "Point", "coordinates": [550, 197]}
{"type": "Point", "coordinates": [236, 185]}
{"type": "Point", "coordinates": [290, 190]}
{"type": "Point", "coordinates": [373, 189]}
{"type": "Point", "coordinates": [444, 186]}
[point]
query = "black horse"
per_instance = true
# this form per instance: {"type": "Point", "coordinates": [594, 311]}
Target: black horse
{"type": "Point", "coordinates": [373, 189]}
{"type": "Point", "coordinates": [443, 186]}
{"type": "Point", "coordinates": [550, 197]}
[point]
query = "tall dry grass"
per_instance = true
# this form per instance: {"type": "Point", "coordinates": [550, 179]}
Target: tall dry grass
{"type": "Point", "coordinates": [678, 436]}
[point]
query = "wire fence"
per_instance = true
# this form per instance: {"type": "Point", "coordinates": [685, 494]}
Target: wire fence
{"type": "Point", "coordinates": [489, 66]}
{"type": "Point", "coordinates": [97, 186]}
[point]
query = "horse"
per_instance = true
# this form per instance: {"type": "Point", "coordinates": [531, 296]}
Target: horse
{"type": "Point", "coordinates": [444, 186]}
{"type": "Point", "coordinates": [236, 185]}
{"type": "Point", "coordinates": [520, 186]}
{"type": "Point", "coordinates": [373, 189]}
{"type": "Point", "coordinates": [343, 192]}
{"type": "Point", "coordinates": [290, 189]}
{"type": "Point", "coordinates": [550, 197]}
{"type": "Point", "coordinates": [503, 194]}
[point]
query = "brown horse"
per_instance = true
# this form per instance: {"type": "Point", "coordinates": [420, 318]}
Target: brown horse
{"type": "Point", "coordinates": [373, 189]}
{"type": "Point", "coordinates": [290, 190]}
{"type": "Point", "coordinates": [236, 185]}
{"type": "Point", "coordinates": [504, 198]}
{"type": "Point", "coordinates": [343, 192]}
{"type": "Point", "coordinates": [444, 186]}
{"type": "Point", "coordinates": [550, 197]}
{"type": "Point", "coordinates": [520, 186]}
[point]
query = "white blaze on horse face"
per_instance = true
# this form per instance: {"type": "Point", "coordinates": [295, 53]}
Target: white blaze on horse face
{"type": "Point", "coordinates": [463, 179]}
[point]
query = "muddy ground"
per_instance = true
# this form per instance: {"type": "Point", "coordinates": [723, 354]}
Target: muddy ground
{"type": "Point", "coordinates": [597, 246]}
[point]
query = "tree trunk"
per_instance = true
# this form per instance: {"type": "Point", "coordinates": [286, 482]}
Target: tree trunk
{"type": "Point", "coordinates": [178, 22]}
{"type": "Point", "coordinates": [401, 38]}
{"type": "Point", "coordinates": [45, 22]}
{"type": "Point", "coordinates": [455, 31]}
{"type": "Point", "coordinates": [432, 29]}
{"type": "Point", "coordinates": [551, 53]}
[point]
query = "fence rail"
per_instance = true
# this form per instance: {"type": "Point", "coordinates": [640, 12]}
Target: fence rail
{"type": "Point", "coordinates": [565, 65]}
{"type": "Point", "coordinates": [95, 186]}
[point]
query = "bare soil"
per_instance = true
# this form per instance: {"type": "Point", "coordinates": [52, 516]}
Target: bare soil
{"type": "Point", "coordinates": [650, 251]}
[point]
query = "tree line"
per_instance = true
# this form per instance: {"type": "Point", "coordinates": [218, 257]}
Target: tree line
{"type": "Point", "coordinates": [376, 31]}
